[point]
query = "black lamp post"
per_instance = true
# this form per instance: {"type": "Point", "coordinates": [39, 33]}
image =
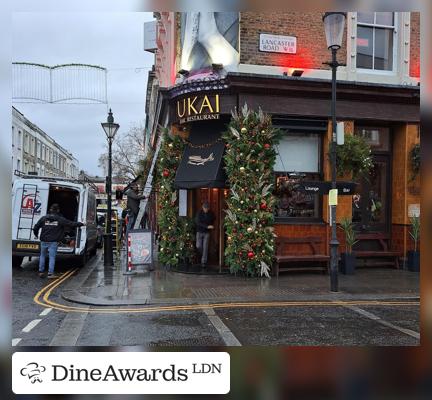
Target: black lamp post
{"type": "Point", "coordinates": [334, 23]}
{"type": "Point", "coordinates": [110, 129]}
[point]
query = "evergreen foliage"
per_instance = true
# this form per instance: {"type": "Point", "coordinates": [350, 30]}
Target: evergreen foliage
{"type": "Point", "coordinates": [249, 161]}
{"type": "Point", "coordinates": [176, 236]}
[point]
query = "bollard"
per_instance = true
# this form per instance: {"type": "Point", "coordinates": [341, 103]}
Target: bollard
{"type": "Point", "coordinates": [130, 270]}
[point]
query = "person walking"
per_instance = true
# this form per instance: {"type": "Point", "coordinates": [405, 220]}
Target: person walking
{"type": "Point", "coordinates": [52, 228]}
{"type": "Point", "coordinates": [204, 223]}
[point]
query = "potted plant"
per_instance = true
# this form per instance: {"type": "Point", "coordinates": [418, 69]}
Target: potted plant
{"type": "Point", "coordinates": [348, 260]}
{"type": "Point", "coordinates": [354, 157]}
{"type": "Point", "coordinates": [414, 255]}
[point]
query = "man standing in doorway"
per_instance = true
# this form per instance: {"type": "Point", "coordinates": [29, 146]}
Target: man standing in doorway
{"type": "Point", "coordinates": [52, 225]}
{"type": "Point", "coordinates": [204, 223]}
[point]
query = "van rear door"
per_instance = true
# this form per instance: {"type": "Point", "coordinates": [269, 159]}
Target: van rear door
{"type": "Point", "coordinates": [29, 205]}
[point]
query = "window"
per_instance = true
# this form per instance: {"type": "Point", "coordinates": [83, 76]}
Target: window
{"type": "Point", "coordinates": [377, 137]}
{"type": "Point", "coordinates": [19, 140]}
{"type": "Point", "coordinates": [298, 159]}
{"type": "Point", "coordinates": [18, 166]}
{"type": "Point", "coordinates": [38, 149]}
{"type": "Point", "coordinates": [375, 40]}
{"type": "Point", "coordinates": [13, 136]}
{"type": "Point", "coordinates": [43, 152]}
{"type": "Point", "coordinates": [26, 142]}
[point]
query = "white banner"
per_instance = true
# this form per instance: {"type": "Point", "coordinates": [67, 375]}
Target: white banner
{"type": "Point", "coordinates": [120, 373]}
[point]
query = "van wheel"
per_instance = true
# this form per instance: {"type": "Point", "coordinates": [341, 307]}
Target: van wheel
{"type": "Point", "coordinates": [17, 261]}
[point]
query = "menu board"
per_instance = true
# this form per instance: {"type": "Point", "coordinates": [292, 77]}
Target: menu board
{"type": "Point", "coordinates": [140, 246]}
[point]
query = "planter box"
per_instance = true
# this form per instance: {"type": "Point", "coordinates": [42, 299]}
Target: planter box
{"type": "Point", "coordinates": [348, 263]}
{"type": "Point", "coordinates": [413, 262]}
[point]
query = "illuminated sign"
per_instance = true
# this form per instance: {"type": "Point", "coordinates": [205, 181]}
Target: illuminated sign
{"type": "Point", "coordinates": [198, 108]}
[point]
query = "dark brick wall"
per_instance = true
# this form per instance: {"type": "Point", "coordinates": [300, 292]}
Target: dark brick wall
{"type": "Point", "coordinates": [415, 45]}
{"type": "Point", "coordinates": [307, 27]}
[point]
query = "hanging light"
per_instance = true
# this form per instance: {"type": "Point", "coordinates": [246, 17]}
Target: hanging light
{"type": "Point", "coordinates": [334, 24]}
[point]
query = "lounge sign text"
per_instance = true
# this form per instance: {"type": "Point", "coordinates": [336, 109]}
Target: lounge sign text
{"type": "Point", "coordinates": [198, 108]}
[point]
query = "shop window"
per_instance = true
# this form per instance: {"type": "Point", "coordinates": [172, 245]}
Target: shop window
{"type": "Point", "coordinates": [298, 159]}
{"type": "Point", "coordinates": [377, 137]}
{"type": "Point", "coordinates": [376, 40]}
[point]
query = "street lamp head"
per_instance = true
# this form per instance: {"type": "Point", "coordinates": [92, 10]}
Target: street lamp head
{"type": "Point", "coordinates": [334, 24]}
{"type": "Point", "coordinates": [110, 127]}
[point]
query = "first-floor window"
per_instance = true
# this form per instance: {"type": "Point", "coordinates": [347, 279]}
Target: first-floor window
{"type": "Point", "coordinates": [298, 159]}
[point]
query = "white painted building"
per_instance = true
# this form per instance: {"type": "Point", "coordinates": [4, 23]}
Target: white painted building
{"type": "Point", "coordinates": [35, 151]}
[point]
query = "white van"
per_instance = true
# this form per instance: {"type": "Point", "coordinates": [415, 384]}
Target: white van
{"type": "Point", "coordinates": [32, 197]}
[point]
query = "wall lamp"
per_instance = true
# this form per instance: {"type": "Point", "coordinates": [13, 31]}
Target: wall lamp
{"type": "Point", "coordinates": [183, 72]}
{"type": "Point", "coordinates": [297, 72]}
{"type": "Point", "coordinates": [217, 67]}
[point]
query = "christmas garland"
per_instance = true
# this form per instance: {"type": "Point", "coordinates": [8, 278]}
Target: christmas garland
{"type": "Point", "coordinates": [176, 236]}
{"type": "Point", "coordinates": [249, 161]}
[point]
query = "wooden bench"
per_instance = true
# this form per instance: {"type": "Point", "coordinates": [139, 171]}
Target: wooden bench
{"type": "Point", "coordinates": [382, 242]}
{"type": "Point", "coordinates": [314, 256]}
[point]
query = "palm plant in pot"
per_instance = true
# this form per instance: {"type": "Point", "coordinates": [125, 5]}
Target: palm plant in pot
{"type": "Point", "coordinates": [414, 255]}
{"type": "Point", "coordinates": [348, 260]}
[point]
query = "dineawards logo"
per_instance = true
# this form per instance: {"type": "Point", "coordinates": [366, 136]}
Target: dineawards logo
{"type": "Point", "coordinates": [33, 371]}
{"type": "Point", "coordinates": [121, 373]}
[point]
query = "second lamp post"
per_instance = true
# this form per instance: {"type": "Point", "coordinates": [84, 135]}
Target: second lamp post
{"type": "Point", "coordinates": [110, 129]}
{"type": "Point", "coordinates": [334, 24]}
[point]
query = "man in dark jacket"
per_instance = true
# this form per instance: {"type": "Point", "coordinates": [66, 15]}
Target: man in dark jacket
{"type": "Point", "coordinates": [52, 228]}
{"type": "Point", "coordinates": [133, 202]}
{"type": "Point", "coordinates": [204, 223]}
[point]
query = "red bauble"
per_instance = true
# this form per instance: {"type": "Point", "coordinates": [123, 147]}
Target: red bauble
{"type": "Point", "coordinates": [165, 173]}
{"type": "Point", "coordinates": [267, 146]}
{"type": "Point", "coordinates": [250, 254]}
{"type": "Point", "coordinates": [263, 206]}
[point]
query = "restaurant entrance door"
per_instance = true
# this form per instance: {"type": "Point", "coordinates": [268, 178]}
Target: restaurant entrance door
{"type": "Point", "coordinates": [216, 200]}
{"type": "Point", "coordinates": [371, 203]}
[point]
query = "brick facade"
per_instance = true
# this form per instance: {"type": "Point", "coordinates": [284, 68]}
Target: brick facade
{"type": "Point", "coordinates": [415, 45]}
{"type": "Point", "coordinates": [307, 27]}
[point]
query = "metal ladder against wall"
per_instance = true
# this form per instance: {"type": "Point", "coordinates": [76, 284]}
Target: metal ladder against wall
{"type": "Point", "coordinates": [26, 219]}
{"type": "Point", "coordinates": [148, 186]}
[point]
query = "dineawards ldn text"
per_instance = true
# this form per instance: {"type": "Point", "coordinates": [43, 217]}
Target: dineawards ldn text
{"type": "Point", "coordinates": [112, 374]}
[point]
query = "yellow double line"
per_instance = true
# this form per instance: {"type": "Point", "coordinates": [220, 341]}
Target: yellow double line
{"type": "Point", "coordinates": [46, 291]}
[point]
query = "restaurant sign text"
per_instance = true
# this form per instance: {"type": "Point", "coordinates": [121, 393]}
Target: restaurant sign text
{"type": "Point", "coordinates": [278, 43]}
{"type": "Point", "coordinates": [198, 108]}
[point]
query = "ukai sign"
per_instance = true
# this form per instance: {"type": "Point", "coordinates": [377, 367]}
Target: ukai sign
{"type": "Point", "coordinates": [198, 108]}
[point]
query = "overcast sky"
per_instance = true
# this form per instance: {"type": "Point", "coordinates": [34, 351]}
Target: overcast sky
{"type": "Point", "coordinates": [111, 40]}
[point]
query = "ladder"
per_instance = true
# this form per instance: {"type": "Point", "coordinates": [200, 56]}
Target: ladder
{"type": "Point", "coordinates": [148, 186]}
{"type": "Point", "coordinates": [27, 211]}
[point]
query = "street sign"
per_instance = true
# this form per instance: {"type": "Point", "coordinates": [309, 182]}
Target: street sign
{"type": "Point", "coordinates": [344, 188]}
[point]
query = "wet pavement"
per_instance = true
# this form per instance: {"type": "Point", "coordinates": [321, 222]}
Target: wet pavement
{"type": "Point", "coordinates": [110, 287]}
